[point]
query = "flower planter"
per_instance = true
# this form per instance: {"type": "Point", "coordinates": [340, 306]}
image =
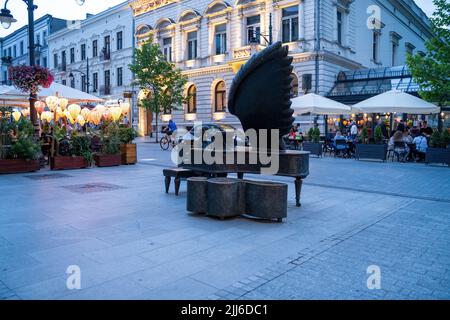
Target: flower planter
{"type": "Point", "coordinates": [315, 148]}
{"type": "Point", "coordinates": [107, 160]}
{"type": "Point", "coordinates": [129, 153]}
{"type": "Point", "coordinates": [438, 155]}
{"type": "Point", "coordinates": [67, 163]}
{"type": "Point", "coordinates": [371, 151]}
{"type": "Point", "coordinates": [18, 165]}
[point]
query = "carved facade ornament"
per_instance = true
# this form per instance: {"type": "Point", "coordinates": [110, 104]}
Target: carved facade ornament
{"type": "Point", "coordinates": [143, 6]}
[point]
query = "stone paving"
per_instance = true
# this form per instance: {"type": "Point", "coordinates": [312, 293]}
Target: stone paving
{"type": "Point", "coordinates": [132, 241]}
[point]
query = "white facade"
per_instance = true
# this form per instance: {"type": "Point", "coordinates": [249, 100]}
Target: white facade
{"type": "Point", "coordinates": [14, 47]}
{"type": "Point", "coordinates": [104, 42]}
{"type": "Point", "coordinates": [346, 41]}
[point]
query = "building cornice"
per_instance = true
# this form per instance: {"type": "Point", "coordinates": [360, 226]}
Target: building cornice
{"type": "Point", "coordinates": [143, 6]}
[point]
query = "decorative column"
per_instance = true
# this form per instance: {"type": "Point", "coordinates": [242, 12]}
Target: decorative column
{"type": "Point", "coordinates": [301, 20]}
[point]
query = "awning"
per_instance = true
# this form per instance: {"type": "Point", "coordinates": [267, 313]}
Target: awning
{"type": "Point", "coordinates": [316, 104]}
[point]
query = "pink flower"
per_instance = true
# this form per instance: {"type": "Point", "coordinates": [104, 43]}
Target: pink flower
{"type": "Point", "coordinates": [30, 78]}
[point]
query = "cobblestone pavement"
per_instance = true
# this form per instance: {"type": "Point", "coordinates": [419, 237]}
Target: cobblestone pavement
{"type": "Point", "coordinates": [133, 241]}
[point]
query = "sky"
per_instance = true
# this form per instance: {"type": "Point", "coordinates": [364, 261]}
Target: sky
{"type": "Point", "coordinates": [70, 10]}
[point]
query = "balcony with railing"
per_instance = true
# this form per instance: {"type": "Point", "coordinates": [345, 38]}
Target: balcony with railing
{"type": "Point", "coordinates": [62, 67]}
{"type": "Point", "coordinates": [7, 60]}
{"type": "Point", "coordinates": [105, 55]}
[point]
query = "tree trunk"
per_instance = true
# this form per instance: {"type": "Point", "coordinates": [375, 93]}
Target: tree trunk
{"type": "Point", "coordinates": [156, 129]}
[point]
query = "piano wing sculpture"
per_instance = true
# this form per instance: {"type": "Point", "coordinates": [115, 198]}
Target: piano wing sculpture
{"type": "Point", "coordinates": [260, 95]}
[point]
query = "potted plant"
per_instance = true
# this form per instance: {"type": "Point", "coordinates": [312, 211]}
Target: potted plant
{"type": "Point", "coordinates": [439, 151]}
{"type": "Point", "coordinates": [110, 147]}
{"type": "Point", "coordinates": [127, 147]}
{"type": "Point", "coordinates": [72, 153]}
{"type": "Point", "coordinates": [20, 152]}
{"type": "Point", "coordinates": [313, 145]}
{"type": "Point", "coordinates": [376, 151]}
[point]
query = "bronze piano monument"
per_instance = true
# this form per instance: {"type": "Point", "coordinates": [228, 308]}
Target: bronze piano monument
{"type": "Point", "coordinates": [260, 97]}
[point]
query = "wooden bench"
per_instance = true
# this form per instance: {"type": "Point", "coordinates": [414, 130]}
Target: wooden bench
{"type": "Point", "coordinates": [178, 174]}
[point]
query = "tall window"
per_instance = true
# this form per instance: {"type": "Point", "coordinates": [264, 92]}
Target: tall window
{"type": "Point", "coordinates": [21, 48]}
{"type": "Point", "coordinates": [55, 60]}
{"type": "Point", "coordinates": [289, 22]}
{"type": "Point", "coordinates": [9, 52]}
{"type": "Point", "coordinates": [192, 45]}
{"type": "Point", "coordinates": [339, 27]}
{"type": "Point", "coordinates": [219, 97]}
{"type": "Point", "coordinates": [119, 40]}
{"type": "Point", "coordinates": [409, 48]}
{"type": "Point", "coordinates": [44, 62]}
{"type": "Point", "coordinates": [72, 55]}
{"type": "Point", "coordinates": [220, 36]}
{"type": "Point", "coordinates": [95, 81]}
{"type": "Point", "coordinates": [107, 42]}
{"type": "Point", "coordinates": [38, 39]}
{"type": "Point", "coordinates": [167, 48]}
{"type": "Point", "coordinates": [192, 99]}
{"type": "Point", "coordinates": [94, 48]}
{"type": "Point", "coordinates": [83, 52]}
{"type": "Point", "coordinates": [72, 82]}
{"type": "Point", "coordinates": [375, 46]}
{"type": "Point", "coordinates": [119, 77]}
{"type": "Point", "coordinates": [83, 83]}
{"type": "Point", "coordinates": [63, 59]}
{"type": "Point", "coordinates": [394, 53]}
{"type": "Point", "coordinates": [294, 84]}
{"type": "Point", "coordinates": [107, 79]}
{"type": "Point", "coordinates": [14, 51]}
{"type": "Point", "coordinates": [44, 38]}
{"type": "Point", "coordinates": [64, 82]}
{"type": "Point", "coordinates": [253, 29]}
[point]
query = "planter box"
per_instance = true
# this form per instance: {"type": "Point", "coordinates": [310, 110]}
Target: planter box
{"type": "Point", "coordinates": [67, 163]}
{"type": "Point", "coordinates": [371, 151]}
{"type": "Point", "coordinates": [438, 155]}
{"type": "Point", "coordinates": [129, 153]}
{"type": "Point", "coordinates": [18, 165]}
{"type": "Point", "coordinates": [314, 148]}
{"type": "Point", "coordinates": [107, 160]}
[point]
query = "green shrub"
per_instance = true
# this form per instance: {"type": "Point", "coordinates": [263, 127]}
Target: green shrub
{"type": "Point", "coordinates": [23, 145]}
{"type": "Point", "coordinates": [435, 140]}
{"type": "Point", "coordinates": [127, 134]}
{"type": "Point", "coordinates": [316, 135]}
{"type": "Point", "coordinates": [311, 133]}
{"type": "Point", "coordinates": [110, 139]}
{"type": "Point", "coordinates": [81, 146]}
{"type": "Point", "coordinates": [378, 135]}
{"type": "Point", "coordinates": [364, 135]}
{"type": "Point", "coordinates": [445, 138]}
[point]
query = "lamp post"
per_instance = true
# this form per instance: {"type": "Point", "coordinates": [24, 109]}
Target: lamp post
{"type": "Point", "coordinates": [6, 19]}
{"type": "Point", "coordinates": [71, 76]}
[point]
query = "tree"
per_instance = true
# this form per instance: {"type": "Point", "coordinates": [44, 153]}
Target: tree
{"type": "Point", "coordinates": [432, 71]}
{"type": "Point", "coordinates": [164, 82]}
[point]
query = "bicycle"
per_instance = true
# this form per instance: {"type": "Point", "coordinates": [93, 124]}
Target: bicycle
{"type": "Point", "coordinates": [166, 141]}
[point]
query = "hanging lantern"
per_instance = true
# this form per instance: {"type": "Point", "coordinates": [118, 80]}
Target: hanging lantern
{"type": "Point", "coordinates": [63, 102]}
{"type": "Point", "coordinates": [344, 122]}
{"type": "Point", "coordinates": [69, 117]}
{"type": "Point", "coordinates": [74, 110]}
{"type": "Point", "coordinates": [25, 112]}
{"type": "Point", "coordinates": [52, 102]}
{"type": "Point", "coordinates": [39, 106]}
{"type": "Point", "coordinates": [116, 112]}
{"type": "Point", "coordinates": [100, 108]}
{"type": "Point", "coordinates": [16, 115]}
{"type": "Point", "coordinates": [125, 108]}
{"type": "Point", "coordinates": [107, 115]}
{"type": "Point", "coordinates": [95, 117]}
{"type": "Point", "coordinates": [81, 120]}
{"type": "Point", "coordinates": [85, 112]}
{"type": "Point", "coordinates": [47, 116]}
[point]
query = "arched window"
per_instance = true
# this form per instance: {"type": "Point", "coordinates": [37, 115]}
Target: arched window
{"type": "Point", "coordinates": [192, 99]}
{"type": "Point", "coordinates": [219, 97]}
{"type": "Point", "coordinates": [294, 84]}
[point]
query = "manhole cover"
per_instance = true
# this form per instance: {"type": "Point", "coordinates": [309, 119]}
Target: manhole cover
{"type": "Point", "coordinates": [47, 176]}
{"type": "Point", "coordinates": [93, 187]}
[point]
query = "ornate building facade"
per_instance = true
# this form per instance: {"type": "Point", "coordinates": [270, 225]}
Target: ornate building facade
{"type": "Point", "coordinates": [210, 40]}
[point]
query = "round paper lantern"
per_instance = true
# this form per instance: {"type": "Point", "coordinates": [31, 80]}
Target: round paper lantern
{"type": "Point", "coordinates": [107, 115]}
{"type": "Point", "coordinates": [52, 102]}
{"type": "Point", "coordinates": [47, 116]}
{"type": "Point", "coordinates": [69, 117]}
{"type": "Point", "coordinates": [16, 115]}
{"type": "Point", "coordinates": [125, 108]}
{"type": "Point", "coordinates": [63, 102]}
{"type": "Point", "coordinates": [344, 122]}
{"type": "Point", "coordinates": [39, 106]}
{"type": "Point", "coordinates": [74, 110]}
{"type": "Point", "coordinates": [81, 120]}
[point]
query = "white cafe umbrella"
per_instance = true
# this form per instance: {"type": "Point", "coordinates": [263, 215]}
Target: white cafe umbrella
{"type": "Point", "coordinates": [316, 104]}
{"type": "Point", "coordinates": [10, 96]}
{"type": "Point", "coordinates": [396, 101]}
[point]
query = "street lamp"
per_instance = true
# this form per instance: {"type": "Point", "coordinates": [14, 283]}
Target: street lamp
{"type": "Point", "coordinates": [6, 19]}
{"type": "Point", "coordinates": [71, 76]}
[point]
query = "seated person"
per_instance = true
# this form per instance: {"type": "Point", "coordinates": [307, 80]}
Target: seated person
{"type": "Point", "coordinates": [421, 146]}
